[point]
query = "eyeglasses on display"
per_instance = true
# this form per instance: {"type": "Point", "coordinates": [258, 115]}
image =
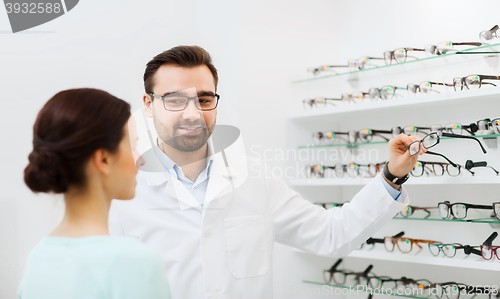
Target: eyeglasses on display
{"type": "Point", "coordinates": [362, 62]}
{"type": "Point", "coordinates": [346, 277]}
{"type": "Point", "coordinates": [325, 68]}
{"type": "Point", "coordinates": [178, 102]}
{"type": "Point", "coordinates": [459, 210]}
{"type": "Point", "coordinates": [437, 168]}
{"type": "Point", "coordinates": [319, 102]}
{"type": "Point", "coordinates": [373, 241]}
{"type": "Point", "coordinates": [424, 87]}
{"type": "Point", "coordinates": [483, 164]}
{"type": "Point", "coordinates": [488, 36]}
{"type": "Point", "coordinates": [399, 55]}
{"type": "Point", "coordinates": [387, 92]}
{"type": "Point", "coordinates": [488, 250]}
{"type": "Point", "coordinates": [352, 170]}
{"type": "Point", "coordinates": [364, 135]}
{"type": "Point", "coordinates": [450, 250]}
{"type": "Point", "coordinates": [473, 81]}
{"type": "Point", "coordinates": [410, 210]}
{"type": "Point", "coordinates": [447, 47]}
{"type": "Point", "coordinates": [405, 245]}
{"type": "Point", "coordinates": [420, 287]}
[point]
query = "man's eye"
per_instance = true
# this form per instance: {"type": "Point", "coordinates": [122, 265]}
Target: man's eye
{"type": "Point", "coordinates": [174, 101]}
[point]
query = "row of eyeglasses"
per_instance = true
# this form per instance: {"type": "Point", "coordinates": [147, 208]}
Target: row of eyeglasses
{"type": "Point", "coordinates": [400, 55]}
{"type": "Point", "coordinates": [356, 170]}
{"type": "Point", "coordinates": [405, 245]}
{"type": "Point", "coordinates": [480, 127]}
{"type": "Point", "coordinates": [388, 92]}
{"type": "Point", "coordinates": [404, 286]}
{"type": "Point", "coordinates": [447, 210]}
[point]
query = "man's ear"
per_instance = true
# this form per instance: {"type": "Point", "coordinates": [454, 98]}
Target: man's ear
{"type": "Point", "coordinates": [100, 159]}
{"type": "Point", "coordinates": [148, 105]}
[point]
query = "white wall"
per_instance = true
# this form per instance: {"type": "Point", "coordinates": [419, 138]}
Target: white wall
{"type": "Point", "coordinates": [259, 47]}
{"type": "Point", "coordinates": [100, 44]}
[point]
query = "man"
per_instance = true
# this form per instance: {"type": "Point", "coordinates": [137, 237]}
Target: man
{"type": "Point", "coordinates": [213, 224]}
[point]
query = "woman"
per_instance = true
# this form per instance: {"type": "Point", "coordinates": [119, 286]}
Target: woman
{"type": "Point", "coordinates": [82, 148]}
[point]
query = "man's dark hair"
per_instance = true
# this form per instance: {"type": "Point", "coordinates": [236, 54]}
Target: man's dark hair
{"type": "Point", "coordinates": [183, 56]}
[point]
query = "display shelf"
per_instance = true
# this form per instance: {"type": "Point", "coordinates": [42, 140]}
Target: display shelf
{"type": "Point", "coordinates": [469, 262]}
{"type": "Point", "coordinates": [382, 142]}
{"type": "Point", "coordinates": [445, 180]}
{"type": "Point", "coordinates": [455, 97]}
{"type": "Point", "coordinates": [482, 220]}
{"type": "Point", "coordinates": [396, 65]}
{"type": "Point", "coordinates": [362, 290]}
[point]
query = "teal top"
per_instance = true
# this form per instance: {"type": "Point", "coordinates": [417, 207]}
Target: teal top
{"type": "Point", "coordinates": [97, 267]}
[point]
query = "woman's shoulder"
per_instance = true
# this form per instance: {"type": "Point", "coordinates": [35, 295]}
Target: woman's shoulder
{"type": "Point", "coordinates": [97, 247]}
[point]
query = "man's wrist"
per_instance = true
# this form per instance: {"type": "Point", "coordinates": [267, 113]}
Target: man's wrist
{"type": "Point", "coordinates": [393, 180]}
{"type": "Point", "coordinates": [396, 187]}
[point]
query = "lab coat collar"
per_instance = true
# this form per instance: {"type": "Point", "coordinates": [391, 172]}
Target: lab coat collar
{"type": "Point", "coordinates": [219, 181]}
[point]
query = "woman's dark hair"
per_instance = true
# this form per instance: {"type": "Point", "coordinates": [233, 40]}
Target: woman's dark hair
{"type": "Point", "coordinates": [71, 126]}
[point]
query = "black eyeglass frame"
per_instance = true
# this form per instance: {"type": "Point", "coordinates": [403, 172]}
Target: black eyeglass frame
{"type": "Point", "coordinates": [194, 99]}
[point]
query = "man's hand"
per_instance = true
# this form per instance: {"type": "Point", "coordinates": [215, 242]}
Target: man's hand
{"type": "Point", "coordinates": [400, 162]}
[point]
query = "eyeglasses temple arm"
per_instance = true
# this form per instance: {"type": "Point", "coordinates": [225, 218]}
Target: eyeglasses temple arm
{"type": "Point", "coordinates": [443, 156]}
{"type": "Point", "coordinates": [334, 267]}
{"type": "Point", "coordinates": [367, 270]}
{"type": "Point", "coordinates": [490, 77]}
{"type": "Point", "coordinates": [490, 239]}
{"type": "Point", "coordinates": [481, 207]}
{"type": "Point", "coordinates": [464, 137]}
{"type": "Point", "coordinates": [468, 44]}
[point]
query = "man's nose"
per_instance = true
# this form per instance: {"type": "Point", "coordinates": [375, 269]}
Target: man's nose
{"type": "Point", "coordinates": [191, 111]}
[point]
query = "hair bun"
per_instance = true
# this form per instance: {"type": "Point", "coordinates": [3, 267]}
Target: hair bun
{"type": "Point", "coordinates": [46, 171]}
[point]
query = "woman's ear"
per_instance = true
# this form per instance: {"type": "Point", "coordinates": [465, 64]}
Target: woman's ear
{"type": "Point", "coordinates": [101, 159]}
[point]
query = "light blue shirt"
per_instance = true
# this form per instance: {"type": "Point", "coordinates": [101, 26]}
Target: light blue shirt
{"type": "Point", "coordinates": [393, 192]}
{"type": "Point", "coordinates": [97, 267]}
{"type": "Point", "coordinates": [199, 188]}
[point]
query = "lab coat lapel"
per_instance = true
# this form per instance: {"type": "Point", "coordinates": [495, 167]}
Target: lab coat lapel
{"type": "Point", "coordinates": [219, 182]}
{"type": "Point", "coordinates": [156, 175]}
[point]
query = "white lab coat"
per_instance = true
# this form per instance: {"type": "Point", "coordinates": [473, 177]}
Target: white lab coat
{"type": "Point", "coordinates": [224, 249]}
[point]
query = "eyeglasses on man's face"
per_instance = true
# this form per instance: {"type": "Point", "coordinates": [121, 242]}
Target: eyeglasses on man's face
{"type": "Point", "coordinates": [179, 101]}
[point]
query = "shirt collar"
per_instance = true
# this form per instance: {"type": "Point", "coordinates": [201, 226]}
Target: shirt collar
{"type": "Point", "coordinates": [173, 168]}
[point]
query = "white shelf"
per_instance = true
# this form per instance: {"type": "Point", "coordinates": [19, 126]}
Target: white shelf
{"type": "Point", "coordinates": [469, 262]}
{"type": "Point", "coordinates": [455, 97]}
{"type": "Point", "coordinates": [445, 180]}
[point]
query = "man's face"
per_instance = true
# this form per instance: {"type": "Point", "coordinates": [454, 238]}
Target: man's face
{"type": "Point", "coordinates": [189, 129]}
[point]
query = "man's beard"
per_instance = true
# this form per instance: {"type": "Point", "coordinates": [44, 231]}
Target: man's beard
{"type": "Point", "coordinates": [183, 142]}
